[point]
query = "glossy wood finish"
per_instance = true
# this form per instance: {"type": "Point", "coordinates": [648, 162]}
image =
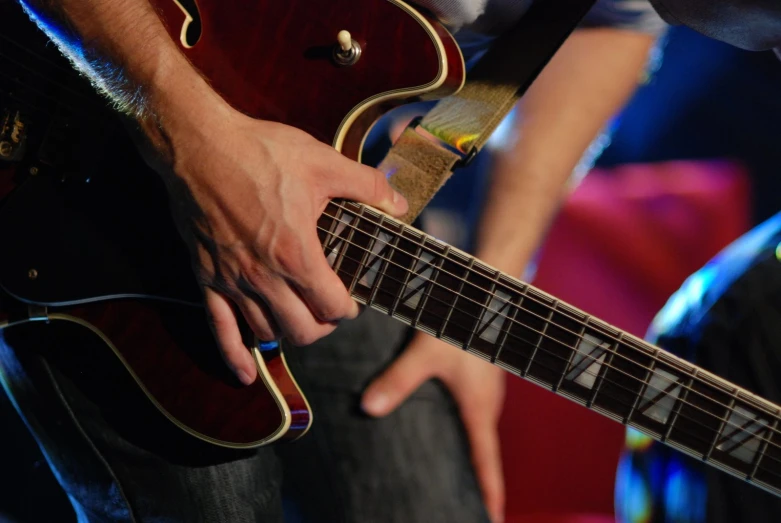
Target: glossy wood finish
{"type": "Point", "coordinates": [355, 134]}
{"type": "Point", "coordinates": [272, 59]}
{"type": "Point", "coordinates": [172, 354]}
{"type": "Point", "coordinates": [300, 414]}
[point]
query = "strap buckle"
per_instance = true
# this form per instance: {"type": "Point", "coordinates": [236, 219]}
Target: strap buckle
{"type": "Point", "coordinates": [467, 159]}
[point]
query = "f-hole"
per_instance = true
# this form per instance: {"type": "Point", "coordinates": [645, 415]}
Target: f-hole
{"type": "Point", "coordinates": [191, 29]}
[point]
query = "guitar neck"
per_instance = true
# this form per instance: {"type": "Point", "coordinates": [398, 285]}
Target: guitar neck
{"type": "Point", "coordinates": [448, 294]}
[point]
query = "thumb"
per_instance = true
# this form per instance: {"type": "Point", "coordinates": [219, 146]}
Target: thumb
{"type": "Point", "coordinates": [401, 379]}
{"type": "Point", "coordinates": [482, 429]}
{"type": "Point", "coordinates": [366, 185]}
{"type": "Point", "coordinates": [486, 457]}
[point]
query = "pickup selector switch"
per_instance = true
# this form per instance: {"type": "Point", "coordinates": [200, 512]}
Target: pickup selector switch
{"type": "Point", "coordinates": [347, 51]}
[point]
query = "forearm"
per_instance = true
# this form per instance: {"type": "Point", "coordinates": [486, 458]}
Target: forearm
{"type": "Point", "coordinates": [585, 84]}
{"type": "Point", "coordinates": [123, 47]}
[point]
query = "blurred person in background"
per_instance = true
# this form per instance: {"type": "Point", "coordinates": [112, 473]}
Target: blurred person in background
{"type": "Point", "coordinates": [726, 316]}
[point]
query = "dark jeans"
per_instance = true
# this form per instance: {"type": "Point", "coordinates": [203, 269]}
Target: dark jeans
{"type": "Point", "coordinates": [119, 459]}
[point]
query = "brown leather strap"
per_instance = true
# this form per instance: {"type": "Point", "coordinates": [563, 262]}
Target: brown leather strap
{"type": "Point", "coordinates": [464, 121]}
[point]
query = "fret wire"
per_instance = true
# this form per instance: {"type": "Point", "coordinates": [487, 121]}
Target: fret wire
{"type": "Point", "coordinates": [383, 269]}
{"type": "Point", "coordinates": [717, 464]}
{"type": "Point", "coordinates": [581, 336]}
{"type": "Point", "coordinates": [450, 309]}
{"type": "Point", "coordinates": [650, 347]}
{"type": "Point", "coordinates": [691, 381]}
{"type": "Point", "coordinates": [407, 274]}
{"type": "Point", "coordinates": [509, 368]}
{"type": "Point", "coordinates": [672, 385]}
{"type": "Point", "coordinates": [539, 341]}
{"type": "Point", "coordinates": [367, 253]}
{"type": "Point", "coordinates": [504, 286]}
{"type": "Point", "coordinates": [603, 372]}
{"type": "Point", "coordinates": [479, 321]}
{"type": "Point", "coordinates": [347, 241]}
{"type": "Point", "coordinates": [744, 428]}
{"type": "Point", "coordinates": [646, 384]}
{"type": "Point", "coordinates": [654, 355]}
{"type": "Point", "coordinates": [654, 358]}
{"type": "Point", "coordinates": [722, 424]}
{"type": "Point", "coordinates": [430, 285]}
{"type": "Point", "coordinates": [504, 332]}
{"type": "Point", "coordinates": [679, 402]}
{"type": "Point", "coordinates": [364, 256]}
{"type": "Point", "coordinates": [762, 451]}
{"type": "Point", "coordinates": [418, 271]}
{"type": "Point", "coordinates": [332, 229]}
{"type": "Point", "coordinates": [508, 288]}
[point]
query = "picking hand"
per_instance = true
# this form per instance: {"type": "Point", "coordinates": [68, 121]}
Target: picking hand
{"type": "Point", "coordinates": [478, 389]}
{"type": "Point", "coordinates": [246, 196]}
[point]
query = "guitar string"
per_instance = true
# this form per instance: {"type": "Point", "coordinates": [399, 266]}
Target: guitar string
{"type": "Point", "coordinates": [47, 103]}
{"type": "Point", "coordinates": [482, 290]}
{"type": "Point", "coordinates": [492, 295]}
{"type": "Point", "coordinates": [543, 334]}
{"type": "Point", "coordinates": [62, 66]}
{"type": "Point", "coordinates": [580, 337]}
{"type": "Point", "coordinates": [509, 303]}
{"type": "Point", "coordinates": [361, 215]}
{"type": "Point", "coordinates": [49, 100]}
{"type": "Point", "coordinates": [520, 308]}
{"type": "Point", "coordinates": [81, 94]}
{"type": "Point", "coordinates": [713, 432]}
{"type": "Point", "coordinates": [71, 90]}
{"type": "Point", "coordinates": [526, 310]}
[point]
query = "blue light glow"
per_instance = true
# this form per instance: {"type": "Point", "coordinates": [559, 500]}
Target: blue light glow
{"type": "Point", "coordinates": [684, 495]}
{"type": "Point", "coordinates": [633, 500]}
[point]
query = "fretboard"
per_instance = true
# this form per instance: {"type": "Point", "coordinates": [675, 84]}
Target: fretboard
{"type": "Point", "coordinates": [446, 293]}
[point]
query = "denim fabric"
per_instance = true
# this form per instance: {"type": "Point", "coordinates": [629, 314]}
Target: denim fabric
{"type": "Point", "coordinates": [121, 462]}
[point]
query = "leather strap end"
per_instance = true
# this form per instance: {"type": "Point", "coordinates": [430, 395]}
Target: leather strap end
{"type": "Point", "coordinates": [418, 168]}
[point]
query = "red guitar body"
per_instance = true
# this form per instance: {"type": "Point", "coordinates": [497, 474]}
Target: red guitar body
{"type": "Point", "coordinates": [92, 251]}
{"type": "Point", "coordinates": [272, 60]}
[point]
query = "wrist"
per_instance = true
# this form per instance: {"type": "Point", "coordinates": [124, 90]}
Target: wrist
{"type": "Point", "coordinates": [180, 107]}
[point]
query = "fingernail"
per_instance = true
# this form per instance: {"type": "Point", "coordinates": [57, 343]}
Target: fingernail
{"type": "Point", "coordinates": [400, 202]}
{"type": "Point", "coordinates": [244, 377]}
{"type": "Point", "coordinates": [375, 403]}
{"type": "Point", "coordinates": [356, 311]}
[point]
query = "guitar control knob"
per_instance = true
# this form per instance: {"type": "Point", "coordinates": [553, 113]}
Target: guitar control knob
{"type": "Point", "coordinates": [347, 51]}
{"type": "Point", "coordinates": [13, 135]}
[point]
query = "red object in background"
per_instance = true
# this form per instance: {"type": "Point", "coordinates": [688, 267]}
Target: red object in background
{"type": "Point", "coordinates": [625, 240]}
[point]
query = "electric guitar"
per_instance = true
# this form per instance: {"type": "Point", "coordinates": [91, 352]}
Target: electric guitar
{"type": "Point", "coordinates": [127, 291]}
